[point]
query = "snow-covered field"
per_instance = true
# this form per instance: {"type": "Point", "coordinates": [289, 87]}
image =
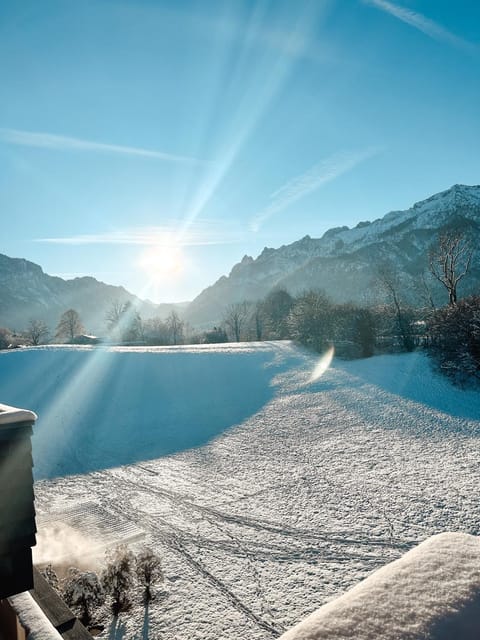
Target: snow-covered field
{"type": "Point", "coordinates": [266, 494]}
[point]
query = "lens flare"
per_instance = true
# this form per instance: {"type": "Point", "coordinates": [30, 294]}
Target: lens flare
{"type": "Point", "coordinates": [322, 365]}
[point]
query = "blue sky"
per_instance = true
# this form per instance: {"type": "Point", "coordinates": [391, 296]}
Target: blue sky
{"type": "Point", "coordinates": [152, 144]}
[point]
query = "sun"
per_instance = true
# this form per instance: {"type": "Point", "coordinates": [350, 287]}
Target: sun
{"type": "Point", "coordinates": [161, 262]}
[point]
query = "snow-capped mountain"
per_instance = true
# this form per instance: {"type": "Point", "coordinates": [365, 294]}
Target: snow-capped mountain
{"type": "Point", "coordinates": [29, 293]}
{"type": "Point", "coordinates": [345, 262]}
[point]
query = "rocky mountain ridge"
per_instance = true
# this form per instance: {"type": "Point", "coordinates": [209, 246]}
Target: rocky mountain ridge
{"type": "Point", "coordinates": [344, 262]}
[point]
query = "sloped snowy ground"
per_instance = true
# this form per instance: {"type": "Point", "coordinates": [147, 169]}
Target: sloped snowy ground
{"type": "Point", "coordinates": [298, 490]}
{"type": "Point", "coordinates": [433, 592]}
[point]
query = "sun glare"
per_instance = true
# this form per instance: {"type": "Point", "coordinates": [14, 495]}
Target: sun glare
{"type": "Point", "coordinates": [162, 262]}
{"type": "Point", "coordinates": [322, 365]}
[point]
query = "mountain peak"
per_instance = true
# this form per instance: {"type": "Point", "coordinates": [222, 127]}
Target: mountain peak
{"type": "Point", "coordinates": [344, 261]}
{"type": "Point", "coordinates": [457, 192]}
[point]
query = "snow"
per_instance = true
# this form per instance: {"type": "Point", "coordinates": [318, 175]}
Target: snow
{"type": "Point", "coordinates": [12, 415]}
{"type": "Point", "coordinates": [32, 618]}
{"type": "Point", "coordinates": [110, 406]}
{"type": "Point", "coordinates": [266, 495]}
{"type": "Point", "coordinates": [433, 592]}
{"type": "Point", "coordinates": [301, 263]}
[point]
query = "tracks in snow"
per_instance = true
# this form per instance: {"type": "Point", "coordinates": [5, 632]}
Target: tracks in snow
{"type": "Point", "coordinates": [338, 537]}
{"type": "Point", "coordinates": [169, 536]}
{"type": "Point", "coordinates": [177, 540]}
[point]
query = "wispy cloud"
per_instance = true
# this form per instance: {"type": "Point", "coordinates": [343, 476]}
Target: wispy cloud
{"type": "Point", "coordinates": [65, 143]}
{"type": "Point", "coordinates": [310, 181]}
{"type": "Point", "coordinates": [422, 23]}
{"type": "Point", "coordinates": [202, 233]}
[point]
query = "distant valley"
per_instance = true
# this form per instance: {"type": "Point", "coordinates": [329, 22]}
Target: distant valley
{"type": "Point", "coordinates": [29, 293]}
{"type": "Point", "coordinates": [343, 262]}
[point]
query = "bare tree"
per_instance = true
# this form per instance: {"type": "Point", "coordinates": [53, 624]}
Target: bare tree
{"type": "Point", "coordinates": [258, 319]}
{"type": "Point", "coordinates": [36, 332]}
{"type": "Point", "coordinates": [426, 292]}
{"type": "Point", "coordinates": [390, 281]}
{"type": "Point", "coordinates": [69, 326]}
{"type": "Point", "coordinates": [124, 321]}
{"type": "Point", "coordinates": [133, 328]}
{"type": "Point", "coordinates": [115, 314]}
{"type": "Point", "coordinates": [235, 317]}
{"type": "Point", "coordinates": [450, 260]}
{"type": "Point", "coordinates": [84, 592]}
{"type": "Point", "coordinates": [117, 579]}
{"type": "Point", "coordinates": [275, 309]}
{"type": "Point", "coordinates": [5, 337]}
{"type": "Point", "coordinates": [310, 320]}
{"type": "Point", "coordinates": [454, 344]}
{"type": "Point", "coordinates": [175, 327]}
{"type": "Point", "coordinates": [148, 567]}
{"type": "Point", "coordinates": [156, 331]}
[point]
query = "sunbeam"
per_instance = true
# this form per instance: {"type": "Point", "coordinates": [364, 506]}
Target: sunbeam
{"type": "Point", "coordinates": [272, 70]}
{"type": "Point", "coordinates": [74, 398]}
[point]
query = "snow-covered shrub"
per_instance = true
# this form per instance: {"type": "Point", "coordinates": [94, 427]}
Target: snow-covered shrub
{"type": "Point", "coordinates": [274, 312]}
{"type": "Point", "coordinates": [363, 329]}
{"type": "Point", "coordinates": [454, 335]}
{"type": "Point", "coordinates": [396, 328]}
{"type": "Point", "coordinates": [310, 320]}
{"type": "Point", "coordinates": [51, 577]}
{"type": "Point", "coordinates": [148, 568]}
{"type": "Point", "coordinates": [83, 592]}
{"type": "Point", "coordinates": [117, 578]}
{"type": "Point", "coordinates": [318, 323]}
{"type": "Point", "coordinates": [353, 331]}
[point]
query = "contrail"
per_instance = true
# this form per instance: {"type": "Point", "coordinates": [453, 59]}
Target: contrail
{"type": "Point", "coordinates": [65, 143]}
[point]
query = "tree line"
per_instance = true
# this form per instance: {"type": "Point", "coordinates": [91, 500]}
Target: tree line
{"type": "Point", "coordinates": [451, 332]}
{"type": "Point", "coordinates": [123, 577]}
{"type": "Point", "coordinates": [123, 324]}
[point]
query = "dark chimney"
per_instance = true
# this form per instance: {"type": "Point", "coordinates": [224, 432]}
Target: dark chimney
{"type": "Point", "coordinates": [17, 512]}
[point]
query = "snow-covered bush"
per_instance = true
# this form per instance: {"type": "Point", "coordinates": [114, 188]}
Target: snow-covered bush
{"type": "Point", "coordinates": [396, 328]}
{"type": "Point", "coordinates": [318, 323]}
{"type": "Point", "coordinates": [148, 568]}
{"type": "Point", "coordinates": [273, 313]}
{"type": "Point", "coordinates": [117, 578]}
{"type": "Point", "coordinates": [51, 577]}
{"type": "Point", "coordinates": [310, 320]}
{"type": "Point", "coordinates": [83, 592]}
{"type": "Point", "coordinates": [454, 334]}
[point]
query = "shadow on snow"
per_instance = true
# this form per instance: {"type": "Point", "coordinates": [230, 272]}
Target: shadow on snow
{"type": "Point", "coordinates": [103, 408]}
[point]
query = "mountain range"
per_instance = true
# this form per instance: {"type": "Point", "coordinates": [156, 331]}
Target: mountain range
{"type": "Point", "coordinates": [344, 262]}
{"type": "Point", "coordinates": [29, 293]}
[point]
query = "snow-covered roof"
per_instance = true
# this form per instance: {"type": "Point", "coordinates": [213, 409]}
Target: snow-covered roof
{"type": "Point", "coordinates": [32, 617]}
{"type": "Point", "coordinates": [433, 591]}
{"type": "Point", "coordinates": [9, 415]}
